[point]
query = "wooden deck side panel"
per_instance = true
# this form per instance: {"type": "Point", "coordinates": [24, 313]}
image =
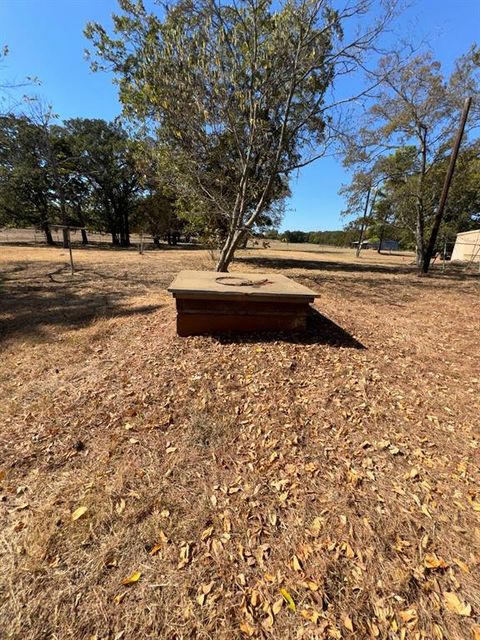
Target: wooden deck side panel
{"type": "Point", "coordinates": [210, 302]}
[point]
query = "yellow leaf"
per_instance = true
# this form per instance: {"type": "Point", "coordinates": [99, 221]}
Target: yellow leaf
{"type": "Point", "coordinates": [78, 513]}
{"type": "Point", "coordinates": [118, 599]}
{"type": "Point", "coordinates": [206, 588]}
{"type": "Point", "coordinates": [310, 614]}
{"type": "Point", "coordinates": [247, 629]}
{"type": "Point", "coordinates": [255, 598]}
{"type": "Point", "coordinates": [268, 622]}
{"type": "Point", "coordinates": [155, 549]}
{"type": "Point", "coordinates": [409, 615]}
{"type": "Point", "coordinates": [288, 599]}
{"type": "Point", "coordinates": [135, 577]}
{"type": "Point", "coordinates": [425, 511]}
{"type": "Point", "coordinates": [207, 533]}
{"type": "Point", "coordinates": [347, 623]}
{"type": "Point", "coordinates": [432, 561]}
{"type": "Point", "coordinates": [277, 606]}
{"type": "Point", "coordinates": [296, 566]}
{"type": "Point", "coordinates": [455, 605]}
{"type": "Point", "coordinates": [120, 506]}
{"type": "Point", "coordinates": [313, 586]}
{"type": "Point", "coordinates": [476, 632]}
{"type": "Point", "coordinates": [462, 565]}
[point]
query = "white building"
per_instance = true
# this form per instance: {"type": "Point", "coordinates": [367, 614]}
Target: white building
{"type": "Point", "coordinates": [467, 246]}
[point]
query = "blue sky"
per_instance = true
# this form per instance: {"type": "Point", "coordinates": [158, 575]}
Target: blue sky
{"type": "Point", "coordinates": [45, 38]}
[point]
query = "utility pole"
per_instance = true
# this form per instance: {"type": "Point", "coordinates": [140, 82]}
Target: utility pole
{"type": "Point", "coordinates": [446, 186]}
{"type": "Point", "coordinates": [364, 219]}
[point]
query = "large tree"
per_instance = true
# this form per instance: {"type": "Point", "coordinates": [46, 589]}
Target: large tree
{"type": "Point", "coordinates": [416, 111]}
{"type": "Point", "coordinates": [105, 158]}
{"type": "Point", "coordinates": [238, 93]}
{"type": "Point", "coordinates": [26, 185]}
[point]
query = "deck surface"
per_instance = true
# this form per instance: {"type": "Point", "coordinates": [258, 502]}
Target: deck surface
{"type": "Point", "coordinates": [214, 285]}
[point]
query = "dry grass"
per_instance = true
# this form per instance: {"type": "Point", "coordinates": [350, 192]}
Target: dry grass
{"type": "Point", "coordinates": [341, 466]}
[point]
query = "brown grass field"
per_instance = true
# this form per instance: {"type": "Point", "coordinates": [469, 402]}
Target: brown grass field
{"type": "Point", "coordinates": [319, 485]}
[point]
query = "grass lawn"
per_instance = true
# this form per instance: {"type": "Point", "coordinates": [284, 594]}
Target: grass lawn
{"type": "Point", "coordinates": [324, 485]}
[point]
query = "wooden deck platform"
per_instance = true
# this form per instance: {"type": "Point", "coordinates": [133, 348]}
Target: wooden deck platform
{"type": "Point", "coordinates": [210, 302]}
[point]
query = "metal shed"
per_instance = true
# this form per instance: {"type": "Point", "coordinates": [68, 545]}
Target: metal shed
{"type": "Point", "coordinates": [467, 246]}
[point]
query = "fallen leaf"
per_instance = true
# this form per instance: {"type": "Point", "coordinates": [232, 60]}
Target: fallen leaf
{"type": "Point", "coordinates": [461, 564]}
{"type": "Point", "coordinates": [78, 513]}
{"type": "Point", "coordinates": [185, 555]}
{"type": "Point", "coordinates": [120, 507]}
{"type": "Point", "coordinates": [455, 605]}
{"type": "Point", "coordinates": [347, 623]}
{"type": "Point", "coordinates": [118, 599]}
{"type": "Point", "coordinates": [207, 533]}
{"type": "Point", "coordinates": [277, 606]}
{"type": "Point", "coordinates": [135, 577]}
{"type": "Point", "coordinates": [310, 614]}
{"type": "Point", "coordinates": [255, 598]}
{"type": "Point", "coordinates": [408, 615]}
{"type": "Point", "coordinates": [296, 566]}
{"type": "Point", "coordinates": [313, 586]}
{"type": "Point", "coordinates": [476, 632]}
{"type": "Point", "coordinates": [288, 599]}
{"type": "Point", "coordinates": [155, 549]}
{"type": "Point", "coordinates": [247, 629]}
{"type": "Point", "coordinates": [432, 561]}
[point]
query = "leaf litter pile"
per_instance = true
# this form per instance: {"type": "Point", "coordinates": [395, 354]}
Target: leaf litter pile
{"type": "Point", "coordinates": [323, 485]}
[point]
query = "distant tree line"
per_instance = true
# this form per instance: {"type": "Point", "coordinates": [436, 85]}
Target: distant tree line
{"type": "Point", "coordinates": [400, 152]}
{"type": "Point", "coordinates": [91, 173]}
{"type": "Point", "coordinates": [340, 238]}
{"type": "Point", "coordinates": [82, 173]}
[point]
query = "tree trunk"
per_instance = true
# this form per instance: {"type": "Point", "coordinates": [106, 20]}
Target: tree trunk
{"type": "Point", "coordinates": [362, 227]}
{"type": "Point", "coordinates": [48, 233]}
{"type": "Point", "coordinates": [63, 210]}
{"type": "Point", "coordinates": [126, 229]}
{"type": "Point", "coordinates": [382, 233]}
{"type": "Point", "coordinates": [81, 220]}
{"type": "Point", "coordinates": [419, 238]}
{"type": "Point", "coordinates": [420, 223]}
{"type": "Point", "coordinates": [228, 250]}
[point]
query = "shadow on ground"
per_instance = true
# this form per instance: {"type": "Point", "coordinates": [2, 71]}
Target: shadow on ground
{"type": "Point", "coordinates": [34, 304]}
{"type": "Point", "coordinates": [453, 272]}
{"type": "Point", "coordinates": [320, 330]}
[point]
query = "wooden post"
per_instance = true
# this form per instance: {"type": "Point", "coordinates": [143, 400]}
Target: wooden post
{"type": "Point", "coordinates": [70, 250]}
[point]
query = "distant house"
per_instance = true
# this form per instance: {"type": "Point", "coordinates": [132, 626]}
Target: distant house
{"type": "Point", "coordinates": [387, 245]}
{"type": "Point", "coordinates": [467, 246]}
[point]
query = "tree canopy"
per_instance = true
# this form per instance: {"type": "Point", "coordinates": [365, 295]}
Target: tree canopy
{"type": "Point", "coordinates": [238, 95]}
{"type": "Point", "coordinates": [405, 139]}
